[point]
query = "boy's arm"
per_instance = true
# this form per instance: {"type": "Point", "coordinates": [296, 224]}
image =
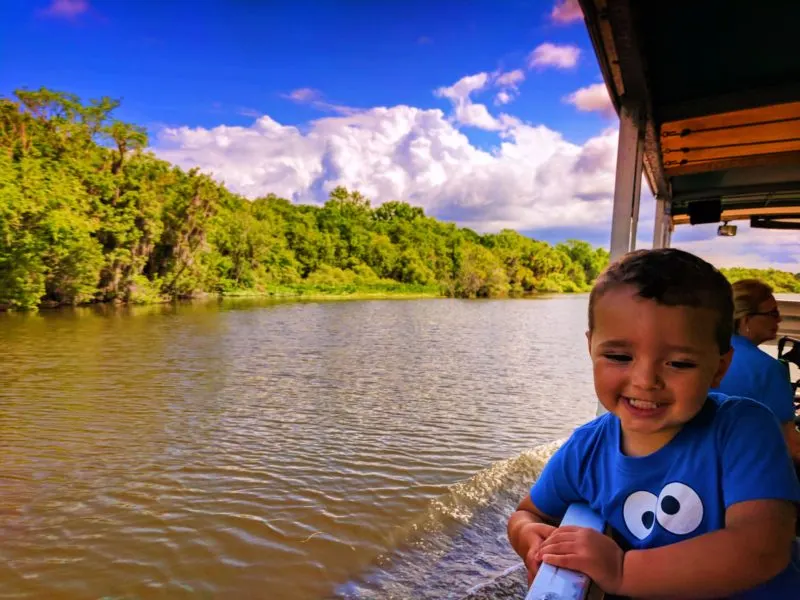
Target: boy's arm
{"type": "Point", "coordinates": [528, 527]}
{"type": "Point", "coordinates": [553, 491]}
{"type": "Point", "coordinates": [528, 518]}
{"type": "Point", "coordinates": [759, 487]}
{"type": "Point", "coordinates": [754, 547]}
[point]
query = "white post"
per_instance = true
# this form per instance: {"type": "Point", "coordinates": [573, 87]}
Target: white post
{"type": "Point", "coordinates": [627, 186]}
{"type": "Point", "coordinates": [637, 196]}
{"type": "Point", "coordinates": [663, 226]}
{"type": "Point", "coordinates": [628, 182]}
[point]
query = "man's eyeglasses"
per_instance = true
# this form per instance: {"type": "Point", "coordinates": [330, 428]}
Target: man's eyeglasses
{"type": "Point", "coordinates": [774, 313]}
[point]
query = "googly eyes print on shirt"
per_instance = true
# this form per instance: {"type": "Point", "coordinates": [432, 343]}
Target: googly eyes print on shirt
{"type": "Point", "coordinates": [678, 509]}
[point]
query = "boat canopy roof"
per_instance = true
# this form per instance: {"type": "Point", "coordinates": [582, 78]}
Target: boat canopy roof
{"type": "Point", "coordinates": [717, 86]}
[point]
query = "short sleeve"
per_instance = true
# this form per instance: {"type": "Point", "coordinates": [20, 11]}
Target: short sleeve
{"type": "Point", "coordinates": [755, 460]}
{"type": "Point", "coordinates": [558, 485]}
{"type": "Point", "coordinates": [778, 392]}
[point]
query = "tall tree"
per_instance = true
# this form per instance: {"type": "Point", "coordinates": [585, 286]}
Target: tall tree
{"type": "Point", "coordinates": [88, 214]}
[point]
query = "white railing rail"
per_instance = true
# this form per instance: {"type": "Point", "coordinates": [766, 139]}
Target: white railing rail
{"type": "Point", "coordinates": [553, 583]}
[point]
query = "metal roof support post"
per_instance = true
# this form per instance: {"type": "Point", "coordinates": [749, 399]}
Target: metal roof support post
{"type": "Point", "coordinates": [662, 229]}
{"type": "Point", "coordinates": [628, 182]}
{"type": "Point", "coordinates": [637, 196]}
{"type": "Point", "coordinates": [627, 186]}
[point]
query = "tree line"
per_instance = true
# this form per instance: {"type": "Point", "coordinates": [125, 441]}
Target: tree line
{"type": "Point", "coordinates": [780, 281]}
{"type": "Point", "coordinates": [88, 215]}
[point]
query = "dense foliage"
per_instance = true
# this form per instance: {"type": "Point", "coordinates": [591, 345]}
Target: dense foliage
{"type": "Point", "coordinates": [87, 215]}
{"type": "Point", "coordinates": [780, 281]}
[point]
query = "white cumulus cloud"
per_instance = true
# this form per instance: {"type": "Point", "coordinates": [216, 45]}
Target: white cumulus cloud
{"type": "Point", "coordinates": [315, 98]}
{"type": "Point", "coordinates": [534, 178]}
{"type": "Point", "coordinates": [304, 95]}
{"type": "Point", "coordinates": [755, 248]}
{"type": "Point", "coordinates": [553, 55]}
{"type": "Point", "coordinates": [503, 97]}
{"type": "Point", "coordinates": [510, 78]}
{"type": "Point", "coordinates": [592, 98]}
{"type": "Point", "coordinates": [464, 87]}
{"type": "Point", "coordinates": [566, 11]}
{"type": "Point", "coordinates": [508, 82]}
{"type": "Point", "coordinates": [465, 112]}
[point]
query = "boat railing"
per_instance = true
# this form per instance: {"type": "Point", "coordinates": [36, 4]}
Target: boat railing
{"type": "Point", "coordinates": [789, 354]}
{"type": "Point", "coordinates": [790, 315]}
{"type": "Point", "coordinates": [554, 583]}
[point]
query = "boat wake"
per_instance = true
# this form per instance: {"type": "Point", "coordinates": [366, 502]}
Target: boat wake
{"type": "Point", "coordinates": [459, 543]}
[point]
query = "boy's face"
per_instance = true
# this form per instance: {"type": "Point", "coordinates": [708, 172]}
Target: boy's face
{"type": "Point", "coordinates": [653, 365]}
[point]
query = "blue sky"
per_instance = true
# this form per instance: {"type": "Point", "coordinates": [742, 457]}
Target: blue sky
{"type": "Point", "coordinates": [491, 114]}
{"type": "Point", "coordinates": [200, 63]}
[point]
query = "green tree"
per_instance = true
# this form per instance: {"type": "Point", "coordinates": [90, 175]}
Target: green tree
{"type": "Point", "coordinates": [780, 281]}
{"type": "Point", "coordinates": [591, 260]}
{"type": "Point", "coordinates": [480, 273]}
{"type": "Point", "coordinates": [87, 214]}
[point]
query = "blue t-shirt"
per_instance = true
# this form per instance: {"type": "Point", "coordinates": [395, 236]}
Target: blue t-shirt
{"type": "Point", "coordinates": [755, 374]}
{"type": "Point", "coordinates": [732, 451]}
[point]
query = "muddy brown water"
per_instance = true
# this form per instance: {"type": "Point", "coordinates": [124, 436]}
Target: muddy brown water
{"type": "Point", "coordinates": [277, 450]}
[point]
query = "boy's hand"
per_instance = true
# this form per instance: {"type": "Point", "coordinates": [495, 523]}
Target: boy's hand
{"type": "Point", "coordinates": [586, 551]}
{"type": "Point", "coordinates": [533, 535]}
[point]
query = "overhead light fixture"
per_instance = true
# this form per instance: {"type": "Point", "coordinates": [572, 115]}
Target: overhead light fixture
{"type": "Point", "coordinates": [726, 230]}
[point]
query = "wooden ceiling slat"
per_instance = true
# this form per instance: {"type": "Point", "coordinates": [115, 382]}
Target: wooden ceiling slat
{"type": "Point", "coordinates": [629, 60]}
{"type": "Point", "coordinates": [781, 159]}
{"type": "Point", "coordinates": [770, 132]}
{"type": "Point", "coordinates": [769, 154]}
{"type": "Point", "coordinates": [739, 117]}
{"type": "Point", "coordinates": [727, 145]}
{"type": "Point", "coordinates": [723, 152]}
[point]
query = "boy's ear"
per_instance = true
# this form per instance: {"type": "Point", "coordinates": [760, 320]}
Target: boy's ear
{"type": "Point", "coordinates": [722, 368]}
{"type": "Point", "coordinates": [589, 340]}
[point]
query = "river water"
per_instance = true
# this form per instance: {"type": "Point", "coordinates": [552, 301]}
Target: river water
{"type": "Point", "coordinates": [262, 450]}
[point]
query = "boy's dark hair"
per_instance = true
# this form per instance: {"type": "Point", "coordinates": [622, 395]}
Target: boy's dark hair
{"type": "Point", "coordinates": [673, 278]}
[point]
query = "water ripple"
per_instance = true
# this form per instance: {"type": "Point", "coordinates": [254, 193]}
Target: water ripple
{"type": "Point", "coordinates": [275, 451]}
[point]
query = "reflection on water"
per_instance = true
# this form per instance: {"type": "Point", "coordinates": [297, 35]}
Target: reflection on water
{"type": "Point", "coordinates": [258, 450]}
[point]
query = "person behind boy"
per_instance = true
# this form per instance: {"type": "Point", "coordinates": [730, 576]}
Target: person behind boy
{"type": "Point", "coordinates": [697, 488]}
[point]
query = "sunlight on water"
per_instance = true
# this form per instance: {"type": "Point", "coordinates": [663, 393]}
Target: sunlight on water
{"type": "Point", "coordinates": [277, 450]}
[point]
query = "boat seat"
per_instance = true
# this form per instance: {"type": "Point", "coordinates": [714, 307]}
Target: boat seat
{"type": "Point", "coordinates": [792, 355]}
{"type": "Point", "coordinates": [787, 357]}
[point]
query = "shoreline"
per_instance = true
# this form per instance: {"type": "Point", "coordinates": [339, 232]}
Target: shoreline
{"type": "Point", "coordinates": [281, 293]}
{"type": "Point", "coordinates": [297, 293]}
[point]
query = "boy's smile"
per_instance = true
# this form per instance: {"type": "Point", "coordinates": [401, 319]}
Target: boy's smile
{"type": "Point", "coordinates": [653, 365]}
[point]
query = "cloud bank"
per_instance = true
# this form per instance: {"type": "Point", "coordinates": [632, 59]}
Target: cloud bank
{"type": "Point", "coordinates": [532, 179]}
